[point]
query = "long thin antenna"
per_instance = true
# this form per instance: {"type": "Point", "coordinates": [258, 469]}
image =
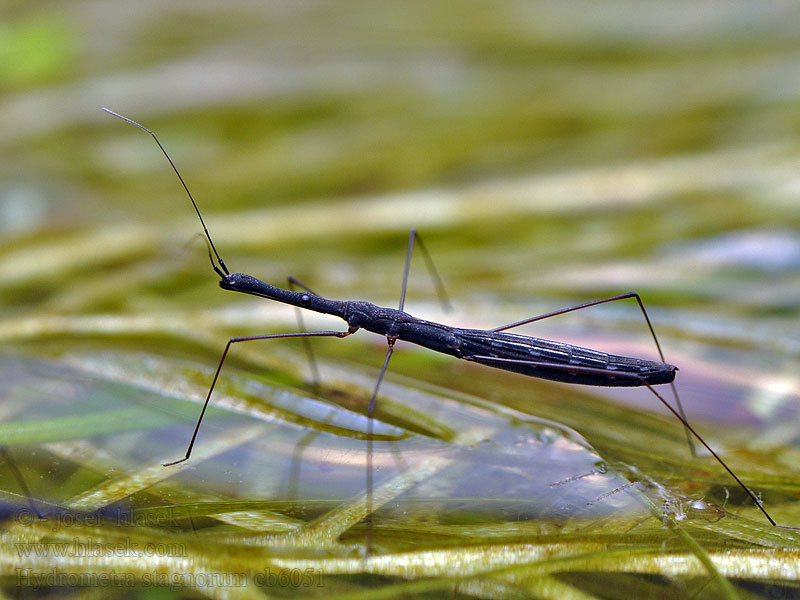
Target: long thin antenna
{"type": "Point", "coordinates": [185, 187]}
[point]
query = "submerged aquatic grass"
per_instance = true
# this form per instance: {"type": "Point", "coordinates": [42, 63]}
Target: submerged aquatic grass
{"type": "Point", "coordinates": [549, 155]}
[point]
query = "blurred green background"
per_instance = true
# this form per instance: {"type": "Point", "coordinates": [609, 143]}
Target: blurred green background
{"type": "Point", "coordinates": [549, 153]}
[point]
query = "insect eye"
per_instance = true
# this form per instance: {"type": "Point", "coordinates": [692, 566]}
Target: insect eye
{"type": "Point", "coordinates": [305, 299]}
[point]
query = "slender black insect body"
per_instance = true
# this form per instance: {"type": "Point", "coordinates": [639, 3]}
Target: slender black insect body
{"type": "Point", "coordinates": [521, 354]}
{"type": "Point", "coordinates": [518, 353]}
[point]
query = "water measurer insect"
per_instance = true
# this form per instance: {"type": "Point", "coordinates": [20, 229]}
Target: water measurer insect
{"type": "Point", "coordinates": [496, 348]}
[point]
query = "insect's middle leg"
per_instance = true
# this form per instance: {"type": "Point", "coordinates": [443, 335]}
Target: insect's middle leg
{"type": "Point", "coordinates": [370, 441]}
{"type": "Point", "coordinates": [628, 295]}
{"type": "Point", "coordinates": [415, 239]}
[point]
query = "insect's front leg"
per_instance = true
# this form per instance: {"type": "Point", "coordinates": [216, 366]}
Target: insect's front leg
{"type": "Point", "coordinates": [312, 361]}
{"type": "Point", "coordinates": [302, 334]}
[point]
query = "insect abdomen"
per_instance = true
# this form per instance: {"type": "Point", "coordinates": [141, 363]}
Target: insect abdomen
{"type": "Point", "coordinates": [557, 361]}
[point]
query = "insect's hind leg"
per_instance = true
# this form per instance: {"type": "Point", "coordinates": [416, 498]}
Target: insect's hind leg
{"type": "Point", "coordinates": [756, 500]}
{"type": "Point", "coordinates": [484, 359]}
{"type": "Point", "coordinates": [232, 341]}
{"type": "Point", "coordinates": [626, 296]}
